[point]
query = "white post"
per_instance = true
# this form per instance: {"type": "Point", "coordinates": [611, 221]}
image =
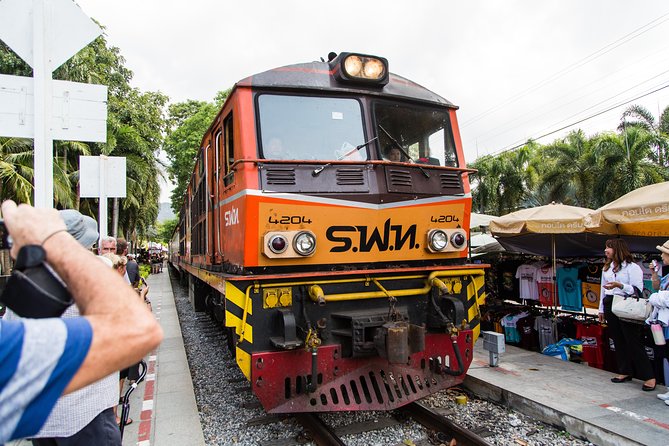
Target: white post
{"type": "Point", "coordinates": [43, 104]}
{"type": "Point", "coordinates": [103, 199]}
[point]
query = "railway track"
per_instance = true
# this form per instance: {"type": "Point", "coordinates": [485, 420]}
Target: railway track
{"type": "Point", "coordinates": [441, 429]}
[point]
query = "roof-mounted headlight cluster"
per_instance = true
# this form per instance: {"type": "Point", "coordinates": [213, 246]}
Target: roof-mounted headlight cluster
{"type": "Point", "coordinates": [363, 68]}
{"type": "Point", "coordinates": [289, 244]}
{"type": "Point", "coordinates": [446, 240]}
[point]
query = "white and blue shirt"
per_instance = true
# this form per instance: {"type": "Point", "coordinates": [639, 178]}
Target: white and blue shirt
{"type": "Point", "coordinates": [38, 358]}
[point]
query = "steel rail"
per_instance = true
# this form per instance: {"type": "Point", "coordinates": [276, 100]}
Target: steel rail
{"type": "Point", "coordinates": [320, 432]}
{"type": "Point", "coordinates": [440, 423]}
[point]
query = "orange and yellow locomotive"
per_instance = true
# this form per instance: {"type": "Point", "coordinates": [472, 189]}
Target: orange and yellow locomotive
{"type": "Point", "coordinates": [326, 225]}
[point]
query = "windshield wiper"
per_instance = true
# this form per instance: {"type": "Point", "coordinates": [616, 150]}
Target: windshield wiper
{"type": "Point", "coordinates": [317, 172]}
{"type": "Point", "coordinates": [399, 146]}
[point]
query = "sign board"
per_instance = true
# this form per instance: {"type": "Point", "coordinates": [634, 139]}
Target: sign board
{"type": "Point", "coordinates": [45, 33]}
{"type": "Point", "coordinates": [114, 176]}
{"type": "Point", "coordinates": [79, 111]}
{"type": "Point", "coordinates": [70, 29]}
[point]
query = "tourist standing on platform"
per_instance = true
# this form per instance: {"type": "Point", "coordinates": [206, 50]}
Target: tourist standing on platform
{"type": "Point", "coordinates": [122, 250]}
{"type": "Point", "coordinates": [132, 269]}
{"type": "Point", "coordinates": [46, 358]}
{"type": "Point", "coordinates": [132, 372]}
{"type": "Point", "coordinates": [108, 244]}
{"type": "Point", "coordinates": [660, 303]}
{"type": "Point", "coordinates": [620, 276]}
{"type": "Point", "coordinates": [86, 416]}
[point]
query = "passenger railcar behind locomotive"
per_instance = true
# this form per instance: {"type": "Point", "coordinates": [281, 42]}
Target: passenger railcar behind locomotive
{"type": "Point", "coordinates": [337, 266]}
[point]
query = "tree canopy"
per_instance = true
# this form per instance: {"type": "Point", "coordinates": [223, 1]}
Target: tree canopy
{"type": "Point", "coordinates": [186, 124]}
{"type": "Point", "coordinates": [577, 170]}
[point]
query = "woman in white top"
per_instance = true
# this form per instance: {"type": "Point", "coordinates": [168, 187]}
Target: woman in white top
{"type": "Point", "coordinates": [660, 302]}
{"type": "Point", "coordinates": [619, 277]}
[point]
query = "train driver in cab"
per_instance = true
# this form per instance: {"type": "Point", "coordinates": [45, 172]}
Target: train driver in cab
{"type": "Point", "coordinates": [393, 153]}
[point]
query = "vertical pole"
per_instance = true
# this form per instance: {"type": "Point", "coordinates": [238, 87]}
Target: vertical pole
{"type": "Point", "coordinates": [43, 103]}
{"type": "Point", "coordinates": [103, 198]}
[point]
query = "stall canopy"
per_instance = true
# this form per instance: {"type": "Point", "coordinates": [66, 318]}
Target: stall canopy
{"type": "Point", "coordinates": [550, 230]}
{"type": "Point", "coordinates": [644, 212]}
{"type": "Point", "coordinates": [485, 243]}
{"type": "Point", "coordinates": [480, 220]}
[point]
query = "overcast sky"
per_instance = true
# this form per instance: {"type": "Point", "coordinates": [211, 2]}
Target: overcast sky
{"type": "Point", "coordinates": [516, 68]}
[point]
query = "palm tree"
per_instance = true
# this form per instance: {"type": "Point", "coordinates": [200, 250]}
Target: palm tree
{"type": "Point", "coordinates": [626, 162]}
{"type": "Point", "coordinates": [17, 172]}
{"type": "Point", "coordinates": [643, 118]}
{"type": "Point", "coordinates": [570, 172]}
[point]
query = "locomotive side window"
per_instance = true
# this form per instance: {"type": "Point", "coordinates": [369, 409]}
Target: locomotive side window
{"type": "Point", "coordinates": [423, 133]}
{"type": "Point", "coordinates": [229, 149]}
{"type": "Point", "coordinates": [310, 128]}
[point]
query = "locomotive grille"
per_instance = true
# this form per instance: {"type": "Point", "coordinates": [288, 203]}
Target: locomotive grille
{"type": "Point", "coordinates": [280, 176]}
{"type": "Point", "coordinates": [378, 387]}
{"type": "Point", "coordinates": [450, 180]}
{"type": "Point", "coordinates": [350, 177]}
{"type": "Point", "coordinates": [399, 178]}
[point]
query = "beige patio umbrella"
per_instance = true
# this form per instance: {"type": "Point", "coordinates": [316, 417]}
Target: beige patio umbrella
{"type": "Point", "coordinates": [553, 230]}
{"type": "Point", "coordinates": [642, 212]}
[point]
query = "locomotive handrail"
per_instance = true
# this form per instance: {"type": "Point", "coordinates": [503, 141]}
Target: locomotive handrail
{"type": "Point", "coordinates": [344, 162]}
{"type": "Point", "coordinates": [398, 293]}
{"type": "Point", "coordinates": [318, 296]}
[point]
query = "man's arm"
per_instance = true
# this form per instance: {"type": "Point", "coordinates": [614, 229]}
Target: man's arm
{"type": "Point", "coordinates": [124, 330]}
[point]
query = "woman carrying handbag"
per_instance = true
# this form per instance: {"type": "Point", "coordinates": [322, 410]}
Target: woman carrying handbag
{"type": "Point", "coordinates": [660, 303]}
{"type": "Point", "coordinates": [619, 277]}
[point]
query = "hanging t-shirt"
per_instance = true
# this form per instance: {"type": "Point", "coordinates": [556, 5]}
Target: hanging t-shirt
{"type": "Point", "coordinates": [526, 275]}
{"type": "Point", "coordinates": [529, 338]}
{"type": "Point", "coordinates": [647, 280]}
{"type": "Point", "coordinates": [547, 331]}
{"type": "Point", "coordinates": [593, 346]}
{"type": "Point", "coordinates": [590, 276]}
{"type": "Point", "coordinates": [507, 285]}
{"type": "Point", "coordinates": [509, 321]}
{"type": "Point", "coordinates": [569, 288]}
{"type": "Point", "coordinates": [545, 286]}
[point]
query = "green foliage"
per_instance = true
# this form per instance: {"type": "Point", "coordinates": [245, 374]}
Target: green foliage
{"type": "Point", "coordinates": [165, 230]}
{"type": "Point", "coordinates": [186, 124]}
{"type": "Point", "coordinates": [144, 270]}
{"type": "Point", "coordinates": [577, 170]}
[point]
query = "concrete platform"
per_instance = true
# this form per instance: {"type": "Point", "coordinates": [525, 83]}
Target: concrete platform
{"type": "Point", "coordinates": [163, 407]}
{"type": "Point", "coordinates": [580, 399]}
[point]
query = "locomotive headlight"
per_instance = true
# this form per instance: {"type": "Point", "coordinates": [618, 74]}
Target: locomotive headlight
{"type": "Point", "coordinates": [438, 240]}
{"type": "Point", "coordinates": [304, 243]}
{"type": "Point", "coordinates": [277, 244]}
{"type": "Point", "coordinates": [458, 240]}
{"type": "Point", "coordinates": [374, 69]}
{"type": "Point", "coordinates": [353, 65]}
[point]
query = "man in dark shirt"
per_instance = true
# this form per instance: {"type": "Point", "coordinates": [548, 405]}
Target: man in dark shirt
{"type": "Point", "coordinates": [132, 268]}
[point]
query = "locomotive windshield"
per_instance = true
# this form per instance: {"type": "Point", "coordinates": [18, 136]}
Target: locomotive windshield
{"type": "Point", "coordinates": [310, 128]}
{"type": "Point", "coordinates": [422, 133]}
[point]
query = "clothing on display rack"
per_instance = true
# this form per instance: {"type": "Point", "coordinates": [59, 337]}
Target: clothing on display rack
{"type": "Point", "coordinates": [527, 281]}
{"type": "Point", "coordinates": [591, 334]}
{"type": "Point", "coordinates": [546, 285]}
{"type": "Point", "coordinates": [569, 288]}
{"type": "Point", "coordinates": [590, 276]}
{"type": "Point", "coordinates": [546, 328]}
{"type": "Point", "coordinates": [511, 333]}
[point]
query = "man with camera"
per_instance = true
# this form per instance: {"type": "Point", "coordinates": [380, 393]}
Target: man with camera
{"type": "Point", "coordinates": [44, 358]}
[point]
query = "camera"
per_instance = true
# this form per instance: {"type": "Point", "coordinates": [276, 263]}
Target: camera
{"type": "Point", "coordinates": [5, 239]}
{"type": "Point", "coordinates": [33, 290]}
